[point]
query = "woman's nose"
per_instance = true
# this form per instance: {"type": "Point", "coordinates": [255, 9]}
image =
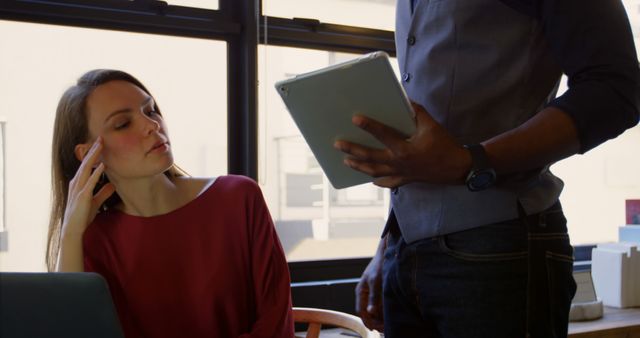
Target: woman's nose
{"type": "Point", "coordinates": [151, 125]}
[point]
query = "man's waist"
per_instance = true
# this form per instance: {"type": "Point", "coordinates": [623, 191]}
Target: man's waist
{"type": "Point", "coordinates": [425, 210]}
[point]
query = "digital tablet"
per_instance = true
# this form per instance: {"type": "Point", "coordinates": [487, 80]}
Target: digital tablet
{"type": "Point", "coordinates": [323, 102]}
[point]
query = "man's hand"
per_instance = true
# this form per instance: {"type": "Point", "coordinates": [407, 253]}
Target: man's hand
{"type": "Point", "coordinates": [430, 155]}
{"type": "Point", "coordinates": [369, 292]}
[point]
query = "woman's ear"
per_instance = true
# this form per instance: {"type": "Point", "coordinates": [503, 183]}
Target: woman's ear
{"type": "Point", "coordinates": [81, 150]}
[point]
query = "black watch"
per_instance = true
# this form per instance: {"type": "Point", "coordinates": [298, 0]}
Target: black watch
{"type": "Point", "coordinates": [481, 176]}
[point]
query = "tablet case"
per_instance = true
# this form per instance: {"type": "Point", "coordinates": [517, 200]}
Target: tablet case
{"type": "Point", "coordinates": [323, 102]}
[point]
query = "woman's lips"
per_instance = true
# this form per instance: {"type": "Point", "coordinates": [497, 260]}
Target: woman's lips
{"type": "Point", "coordinates": [159, 147]}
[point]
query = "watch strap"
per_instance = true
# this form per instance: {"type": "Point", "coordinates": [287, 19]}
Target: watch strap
{"type": "Point", "coordinates": [481, 176]}
{"type": "Point", "coordinates": [479, 159]}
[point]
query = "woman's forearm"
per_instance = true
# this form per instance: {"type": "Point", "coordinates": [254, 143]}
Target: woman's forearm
{"type": "Point", "coordinates": [71, 256]}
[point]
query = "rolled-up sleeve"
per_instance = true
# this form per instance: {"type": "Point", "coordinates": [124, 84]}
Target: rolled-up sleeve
{"type": "Point", "coordinates": [592, 42]}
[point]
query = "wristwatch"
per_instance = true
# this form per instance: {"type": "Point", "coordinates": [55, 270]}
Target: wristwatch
{"type": "Point", "coordinates": [481, 176]}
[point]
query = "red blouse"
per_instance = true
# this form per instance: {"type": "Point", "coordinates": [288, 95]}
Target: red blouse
{"type": "Point", "coordinates": [212, 268]}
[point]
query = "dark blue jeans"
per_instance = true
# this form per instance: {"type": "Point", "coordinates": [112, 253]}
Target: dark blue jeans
{"type": "Point", "coordinates": [511, 279]}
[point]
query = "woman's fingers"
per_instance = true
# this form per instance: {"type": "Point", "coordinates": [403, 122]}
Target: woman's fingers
{"type": "Point", "coordinates": [94, 178]}
{"type": "Point", "coordinates": [82, 203]}
{"type": "Point", "coordinates": [103, 194]}
{"type": "Point", "coordinates": [89, 160]}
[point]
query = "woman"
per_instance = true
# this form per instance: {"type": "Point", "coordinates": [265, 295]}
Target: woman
{"type": "Point", "coordinates": [183, 256]}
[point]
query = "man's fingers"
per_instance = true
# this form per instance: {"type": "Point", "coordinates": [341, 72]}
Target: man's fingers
{"type": "Point", "coordinates": [371, 315]}
{"type": "Point", "coordinates": [362, 296]}
{"type": "Point", "coordinates": [362, 300]}
{"type": "Point", "coordinates": [385, 134]}
{"type": "Point", "coordinates": [373, 318]}
{"type": "Point", "coordinates": [371, 169]}
{"type": "Point", "coordinates": [389, 181]}
{"type": "Point", "coordinates": [375, 304]}
{"type": "Point", "coordinates": [422, 117]}
{"type": "Point", "coordinates": [362, 152]}
{"type": "Point", "coordinates": [375, 325]}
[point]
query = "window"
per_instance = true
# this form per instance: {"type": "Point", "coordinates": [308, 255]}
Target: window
{"type": "Point", "coordinates": [380, 13]}
{"type": "Point", "coordinates": [4, 241]}
{"type": "Point", "coordinates": [633, 12]}
{"type": "Point", "coordinates": [314, 221]}
{"type": "Point", "coordinates": [596, 187]}
{"type": "Point", "coordinates": [208, 4]}
{"type": "Point", "coordinates": [38, 62]}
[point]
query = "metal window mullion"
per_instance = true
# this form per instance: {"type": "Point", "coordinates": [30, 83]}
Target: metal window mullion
{"type": "Point", "coordinates": [242, 89]}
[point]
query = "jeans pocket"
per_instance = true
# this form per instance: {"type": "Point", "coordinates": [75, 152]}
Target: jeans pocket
{"type": "Point", "coordinates": [494, 242]}
{"type": "Point", "coordinates": [551, 286]}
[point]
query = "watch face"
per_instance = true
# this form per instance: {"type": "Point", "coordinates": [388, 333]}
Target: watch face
{"type": "Point", "coordinates": [481, 180]}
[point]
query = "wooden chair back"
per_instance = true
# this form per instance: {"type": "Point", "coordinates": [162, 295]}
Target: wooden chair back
{"type": "Point", "coordinates": [317, 317]}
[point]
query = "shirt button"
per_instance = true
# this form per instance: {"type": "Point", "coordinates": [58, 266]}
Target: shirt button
{"type": "Point", "coordinates": [411, 40]}
{"type": "Point", "coordinates": [406, 77]}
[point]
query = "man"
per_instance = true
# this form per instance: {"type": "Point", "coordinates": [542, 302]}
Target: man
{"type": "Point", "coordinates": [476, 244]}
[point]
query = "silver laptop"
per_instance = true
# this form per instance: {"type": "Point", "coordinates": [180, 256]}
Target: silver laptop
{"type": "Point", "coordinates": [70, 305]}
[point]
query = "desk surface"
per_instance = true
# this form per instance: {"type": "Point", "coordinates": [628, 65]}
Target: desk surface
{"type": "Point", "coordinates": [614, 323]}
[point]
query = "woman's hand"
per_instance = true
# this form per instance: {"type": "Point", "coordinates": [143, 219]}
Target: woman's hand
{"type": "Point", "coordinates": [82, 204]}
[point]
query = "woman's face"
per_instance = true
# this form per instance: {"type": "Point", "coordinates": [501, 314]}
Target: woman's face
{"type": "Point", "coordinates": [135, 139]}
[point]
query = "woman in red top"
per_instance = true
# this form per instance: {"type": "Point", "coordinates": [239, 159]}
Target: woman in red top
{"type": "Point", "coordinates": [183, 256]}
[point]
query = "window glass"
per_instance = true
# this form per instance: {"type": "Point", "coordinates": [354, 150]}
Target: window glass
{"type": "Point", "coordinates": [38, 62]}
{"type": "Point", "coordinates": [314, 220]}
{"type": "Point", "coordinates": [208, 4]}
{"type": "Point", "coordinates": [380, 14]}
{"type": "Point", "coordinates": [633, 12]}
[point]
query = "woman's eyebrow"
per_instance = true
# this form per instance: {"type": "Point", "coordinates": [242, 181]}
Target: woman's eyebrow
{"type": "Point", "coordinates": [127, 110]}
{"type": "Point", "coordinates": [148, 100]}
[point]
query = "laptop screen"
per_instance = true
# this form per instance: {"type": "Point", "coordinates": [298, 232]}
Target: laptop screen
{"type": "Point", "coordinates": [56, 305]}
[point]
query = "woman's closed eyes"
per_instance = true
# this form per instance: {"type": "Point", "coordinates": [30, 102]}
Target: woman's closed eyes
{"type": "Point", "coordinates": [125, 122]}
{"type": "Point", "coordinates": [122, 124]}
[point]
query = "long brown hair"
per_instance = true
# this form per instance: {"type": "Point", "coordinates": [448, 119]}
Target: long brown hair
{"type": "Point", "coordinates": [70, 129]}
